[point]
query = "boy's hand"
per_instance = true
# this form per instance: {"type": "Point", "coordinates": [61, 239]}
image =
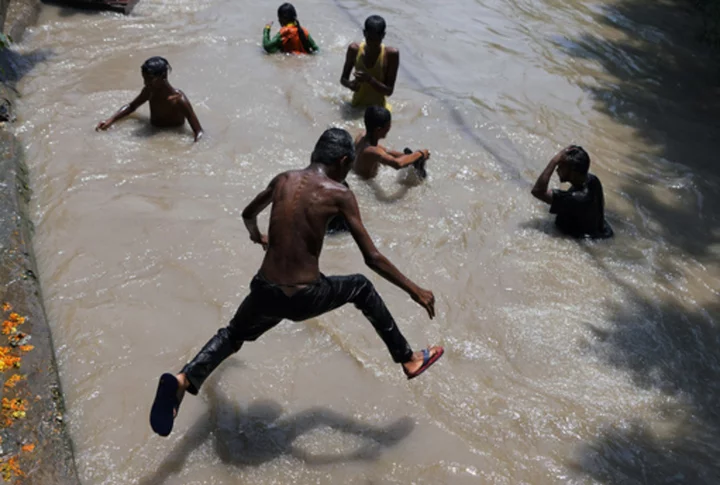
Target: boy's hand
{"type": "Point", "coordinates": [560, 156]}
{"type": "Point", "coordinates": [269, 24]}
{"type": "Point", "coordinates": [362, 76]}
{"type": "Point", "coordinates": [425, 153]}
{"type": "Point", "coordinates": [425, 299]}
{"type": "Point", "coordinates": [263, 241]}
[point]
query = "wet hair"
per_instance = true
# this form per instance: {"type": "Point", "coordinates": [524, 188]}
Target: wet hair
{"type": "Point", "coordinates": [287, 11]}
{"type": "Point", "coordinates": [375, 24]}
{"type": "Point", "coordinates": [332, 145]}
{"type": "Point", "coordinates": [156, 66]}
{"type": "Point", "coordinates": [376, 117]}
{"type": "Point", "coordinates": [577, 159]}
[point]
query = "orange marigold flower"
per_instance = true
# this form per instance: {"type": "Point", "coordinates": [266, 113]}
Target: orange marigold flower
{"type": "Point", "coordinates": [6, 307]}
{"type": "Point", "coordinates": [10, 468]}
{"type": "Point", "coordinates": [8, 327]}
{"type": "Point", "coordinates": [14, 317]}
{"type": "Point", "coordinates": [7, 360]}
{"type": "Point", "coordinates": [29, 448]}
{"type": "Point", "coordinates": [10, 383]}
{"type": "Point", "coordinates": [26, 348]}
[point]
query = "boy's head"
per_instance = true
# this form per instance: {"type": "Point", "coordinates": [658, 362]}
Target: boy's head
{"type": "Point", "coordinates": [286, 14]}
{"type": "Point", "coordinates": [377, 122]}
{"type": "Point", "coordinates": [336, 150]}
{"type": "Point", "coordinates": [574, 166]}
{"type": "Point", "coordinates": [155, 69]}
{"type": "Point", "coordinates": [374, 29]}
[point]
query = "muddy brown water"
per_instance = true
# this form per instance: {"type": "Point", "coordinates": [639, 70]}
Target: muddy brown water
{"type": "Point", "coordinates": [567, 361]}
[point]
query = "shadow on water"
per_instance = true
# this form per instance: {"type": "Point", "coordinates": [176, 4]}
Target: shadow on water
{"type": "Point", "coordinates": [15, 65]}
{"type": "Point", "coordinates": [663, 82]}
{"type": "Point", "coordinates": [665, 348]}
{"type": "Point", "coordinates": [260, 433]}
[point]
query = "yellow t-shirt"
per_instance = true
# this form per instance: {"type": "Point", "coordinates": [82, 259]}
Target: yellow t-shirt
{"type": "Point", "coordinates": [366, 95]}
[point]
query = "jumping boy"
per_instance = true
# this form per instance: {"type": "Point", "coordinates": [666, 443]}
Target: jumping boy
{"type": "Point", "coordinates": [376, 66]}
{"type": "Point", "coordinates": [370, 154]}
{"type": "Point", "coordinates": [169, 107]}
{"type": "Point", "coordinates": [289, 284]}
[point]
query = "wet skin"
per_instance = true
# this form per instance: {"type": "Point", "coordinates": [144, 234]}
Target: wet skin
{"type": "Point", "coordinates": [169, 107]}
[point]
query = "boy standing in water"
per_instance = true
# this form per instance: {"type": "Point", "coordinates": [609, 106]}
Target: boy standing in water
{"type": "Point", "coordinates": [169, 107]}
{"type": "Point", "coordinates": [292, 38]}
{"type": "Point", "coordinates": [375, 66]}
{"type": "Point", "coordinates": [581, 209]}
{"type": "Point", "coordinates": [289, 284]}
{"type": "Point", "coordinates": [370, 154]}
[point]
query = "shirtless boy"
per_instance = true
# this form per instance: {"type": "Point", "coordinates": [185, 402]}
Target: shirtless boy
{"type": "Point", "coordinates": [289, 284]}
{"type": "Point", "coordinates": [375, 65]}
{"type": "Point", "coordinates": [169, 107]}
{"type": "Point", "coordinates": [370, 154]}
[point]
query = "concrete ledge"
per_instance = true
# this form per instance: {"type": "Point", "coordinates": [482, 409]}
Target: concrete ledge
{"type": "Point", "coordinates": [34, 446]}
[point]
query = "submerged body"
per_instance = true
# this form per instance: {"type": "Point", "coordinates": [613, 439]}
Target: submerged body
{"type": "Point", "coordinates": [169, 107]}
{"type": "Point", "coordinates": [581, 209]}
{"type": "Point", "coordinates": [292, 38]}
{"type": "Point", "coordinates": [375, 67]}
{"type": "Point", "coordinates": [369, 154]}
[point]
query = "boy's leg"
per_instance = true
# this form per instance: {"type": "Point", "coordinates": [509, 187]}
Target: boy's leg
{"type": "Point", "coordinates": [248, 324]}
{"type": "Point", "coordinates": [250, 321]}
{"type": "Point", "coordinates": [335, 291]}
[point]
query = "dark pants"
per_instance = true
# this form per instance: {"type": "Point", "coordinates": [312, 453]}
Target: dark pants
{"type": "Point", "coordinates": [267, 305]}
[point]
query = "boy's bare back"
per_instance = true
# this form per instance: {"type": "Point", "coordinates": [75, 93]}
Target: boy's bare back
{"type": "Point", "coordinates": [367, 160]}
{"type": "Point", "coordinates": [303, 201]}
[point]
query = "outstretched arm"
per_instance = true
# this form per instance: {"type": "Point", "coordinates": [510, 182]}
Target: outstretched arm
{"type": "Point", "coordinates": [394, 153]}
{"type": "Point", "coordinates": [191, 117]}
{"type": "Point", "coordinates": [540, 189]}
{"type": "Point", "coordinates": [254, 208]}
{"type": "Point", "coordinates": [350, 56]}
{"type": "Point", "coordinates": [125, 110]}
{"type": "Point", "coordinates": [397, 160]}
{"type": "Point", "coordinates": [376, 261]}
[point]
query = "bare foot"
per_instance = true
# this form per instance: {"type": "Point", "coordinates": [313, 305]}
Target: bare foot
{"type": "Point", "coordinates": [183, 384]}
{"type": "Point", "coordinates": [421, 361]}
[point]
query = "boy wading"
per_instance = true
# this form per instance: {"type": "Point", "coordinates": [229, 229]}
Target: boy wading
{"type": "Point", "coordinates": [289, 284]}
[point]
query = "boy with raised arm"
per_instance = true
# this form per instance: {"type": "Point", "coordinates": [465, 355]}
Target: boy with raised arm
{"type": "Point", "coordinates": [580, 210]}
